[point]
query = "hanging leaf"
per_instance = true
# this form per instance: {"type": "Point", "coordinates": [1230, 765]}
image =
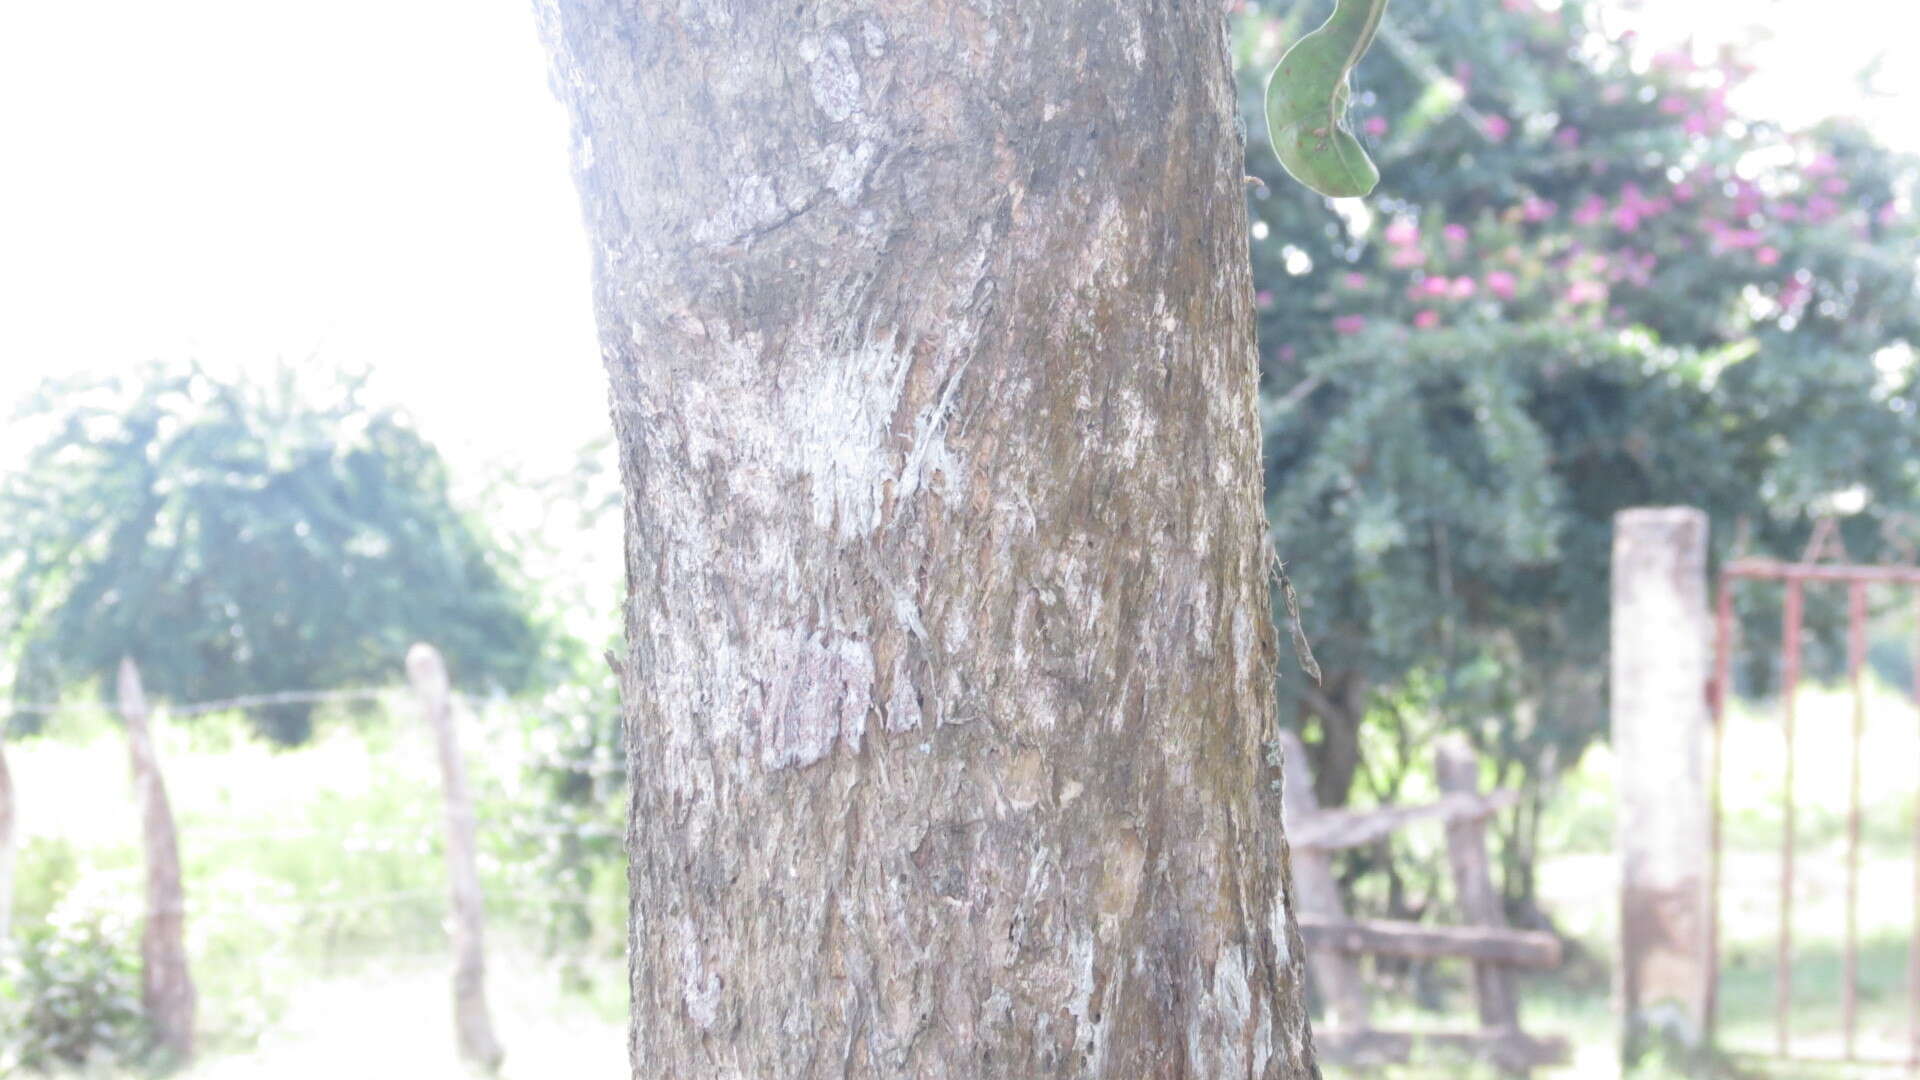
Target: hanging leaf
{"type": "Point", "coordinates": [1307, 103]}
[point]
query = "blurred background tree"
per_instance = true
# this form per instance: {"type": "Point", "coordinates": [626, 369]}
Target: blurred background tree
{"type": "Point", "coordinates": [238, 538]}
{"type": "Point", "coordinates": [1583, 284]}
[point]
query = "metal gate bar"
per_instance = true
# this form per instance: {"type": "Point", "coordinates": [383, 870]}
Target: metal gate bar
{"type": "Point", "coordinates": [1723, 634]}
{"type": "Point", "coordinates": [1789, 683]}
{"type": "Point", "coordinates": [1913, 942]}
{"type": "Point", "coordinates": [1850, 965]}
{"type": "Point", "coordinates": [1794, 576]}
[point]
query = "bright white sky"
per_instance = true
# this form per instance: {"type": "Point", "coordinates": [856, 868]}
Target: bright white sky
{"type": "Point", "coordinates": [378, 182]}
{"type": "Point", "coordinates": [384, 182]}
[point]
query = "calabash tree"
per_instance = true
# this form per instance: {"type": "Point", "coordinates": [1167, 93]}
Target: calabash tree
{"type": "Point", "coordinates": [948, 674]}
{"type": "Point", "coordinates": [237, 537]}
{"type": "Point", "coordinates": [1586, 282]}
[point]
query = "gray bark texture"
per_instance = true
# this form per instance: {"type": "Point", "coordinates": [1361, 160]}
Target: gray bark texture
{"type": "Point", "coordinates": [949, 677]}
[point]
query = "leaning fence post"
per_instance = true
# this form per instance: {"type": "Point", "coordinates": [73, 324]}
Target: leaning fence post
{"type": "Point", "coordinates": [1457, 768]}
{"type": "Point", "coordinates": [474, 1024]}
{"type": "Point", "coordinates": [6, 842]}
{"type": "Point", "coordinates": [1661, 666]}
{"type": "Point", "coordinates": [166, 986]}
{"type": "Point", "coordinates": [1333, 974]}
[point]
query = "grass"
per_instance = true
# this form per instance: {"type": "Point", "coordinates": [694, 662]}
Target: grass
{"type": "Point", "coordinates": [317, 890]}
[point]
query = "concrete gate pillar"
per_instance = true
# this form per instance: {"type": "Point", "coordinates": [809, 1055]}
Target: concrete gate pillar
{"type": "Point", "coordinates": [1662, 658]}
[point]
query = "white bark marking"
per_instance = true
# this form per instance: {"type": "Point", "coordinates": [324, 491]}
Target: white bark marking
{"type": "Point", "coordinates": [823, 695]}
{"type": "Point", "coordinates": [833, 78]}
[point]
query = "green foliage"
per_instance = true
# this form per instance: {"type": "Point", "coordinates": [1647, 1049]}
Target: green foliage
{"type": "Point", "coordinates": [1583, 284]}
{"type": "Point", "coordinates": [45, 869]}
{"type": "Point", "coordinates": [571, 843]}
{"type": "Point", "coordinates": [69, 997]}
{"type": "Point", "coordinates": [235, 538]}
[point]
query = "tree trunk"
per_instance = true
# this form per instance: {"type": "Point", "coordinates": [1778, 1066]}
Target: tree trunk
{"type": "Point", "coordinates": [949, 672]}
{"type": "Point", "coordinates": [1341, 706]}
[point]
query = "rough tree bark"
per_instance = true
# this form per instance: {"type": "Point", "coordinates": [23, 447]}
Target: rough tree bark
{"type": "Point", "coordinates": [949, 671]}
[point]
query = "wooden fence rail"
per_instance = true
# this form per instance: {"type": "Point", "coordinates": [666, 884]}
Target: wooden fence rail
{"type": "Point", "coordinates": [1334, 941]}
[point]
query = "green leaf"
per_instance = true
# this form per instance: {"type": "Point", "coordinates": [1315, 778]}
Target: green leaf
{"type": "Point", "coordinates": [1307, 103]}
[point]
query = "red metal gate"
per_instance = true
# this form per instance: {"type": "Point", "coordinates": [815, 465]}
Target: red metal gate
{"type": "Point", "coordinates": [1797, 577]}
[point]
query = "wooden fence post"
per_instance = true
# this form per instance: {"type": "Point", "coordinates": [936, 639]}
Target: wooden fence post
{"type": "Point", "coordinates": [166, 986]}
{"type": "Point", "coordinates": [6, 843]}
{"type": "Point", "coordinates": [474, 1024]}
{"type": "Point", "coordinates": [1661, 662]}
{"type": "Point", "coordinates": [1457, 769]}
{"type": "Point", "coordinates": [1334, 975]}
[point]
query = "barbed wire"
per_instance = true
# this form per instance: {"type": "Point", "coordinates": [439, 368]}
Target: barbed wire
{"type": "Point", "coordinates": [287, 697]}
{"type": "Point", "coordinates": [426, 828]}
{"type": "Point", "coordinates": [590, 766]}
{"type": "Point", "coordinates": [231, 906]}
{"type": "Point", "coordinates": [199, 708]}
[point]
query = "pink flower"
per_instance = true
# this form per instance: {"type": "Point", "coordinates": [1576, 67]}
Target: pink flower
{"type": "Point", "coordinates": [1264, 298]}
{"type": "Point", "coordinates": [1676, 59]}
{"type": "Point", "coordinates": [1354, 280]}
{"type": "Point", "coordinates": [1286, 354]}
{"type": "Point", "coordinates": [1767, 256]}
{"type": "Point", "coordinates": [1535, 208]}
{"type": "Point", "coordinates": [1514, 6]}
{"type": "Point", "coordinates": [1792, 292]}
{"type": "Point", "coordinates": [1834, 185]}
{"type": "Point", "coordinates": [1435, 286]}
{"type": "Point", "coordinates": [1461, 289]}
{"type": "Point", "coordinates": [1376, 126]}
{"type": "Point", "coordinates": [1787, 211]}
{"type": "Point", "coordinates": [1696, 124]}
{"type": "Point", "coordinates": [1888, 215]}
{"type": "Point", "coordinates": [1501, 284]}
{"type": "Point", "coordinates": [1683, 191]}
{"type": "Point", "coordinates": [1456, 236]}
{"type": "Point", "coordinates": [1727, 237]}
{"type": "Point", "coordinates": [1567, 138]}
{"type": "Point", "coordinates": [1586, 292]}
{"type": "Point", "coordinates": [1406, 258]}
{"type": "Point", "coordinates": [1426, 320]}
{"type": "Point", "coordinates": [1819, 208]}
{"type": "Point", "coordinates": [1496, 126]}
{"type": "Point", "coordinates": [1349, 324]}
{"type": "Point", "coordinates": [1822, 164]}
{"type": "Point", "coordinates": [1403, 233]}
{"type": "Point", "coordinates": [1590, 210]}
{"type": "Point", "coordinates": [1673, 105]}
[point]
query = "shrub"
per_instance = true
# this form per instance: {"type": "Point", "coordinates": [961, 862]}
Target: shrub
{"type": "Point", "coordinates": [70, 996]}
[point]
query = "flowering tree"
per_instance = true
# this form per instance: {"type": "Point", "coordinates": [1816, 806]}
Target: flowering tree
{"type": "Point", "coordinates": [1583, 283]}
